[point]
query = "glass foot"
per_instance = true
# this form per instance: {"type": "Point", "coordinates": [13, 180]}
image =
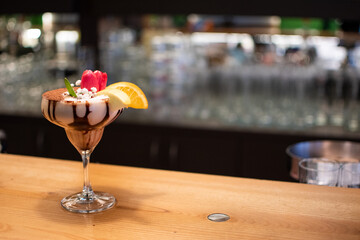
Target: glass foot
{"type": "Point", "coordinates": [81, 203]}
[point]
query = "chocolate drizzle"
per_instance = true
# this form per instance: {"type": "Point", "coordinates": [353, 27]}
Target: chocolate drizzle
{"type": "Point", "coordinates": [51, 112]}
{"type": "Point", "coordinates": [78, 123]}
{"type": "Point", "coordinates": [83, 135]}
{"type": "Point", "coordinates": [117, 114]}
{"type": "Point", "coordinates": [83, 124]}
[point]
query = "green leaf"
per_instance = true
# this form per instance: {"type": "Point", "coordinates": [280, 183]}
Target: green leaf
{"type": "Point", "coordinates": [69, 88]}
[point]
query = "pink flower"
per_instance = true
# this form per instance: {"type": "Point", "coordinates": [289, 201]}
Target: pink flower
{"type": "Point", "coordinates": [102, 78]}
{"type": "Point", "coordinates": [95, 79]}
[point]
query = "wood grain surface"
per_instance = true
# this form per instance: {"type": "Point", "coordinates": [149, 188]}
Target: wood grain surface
{"type": "Point", "coordinates": [156, 204]}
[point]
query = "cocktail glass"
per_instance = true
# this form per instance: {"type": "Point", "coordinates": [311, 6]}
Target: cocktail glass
{"type": "Point", "coordinates": [84, 122]}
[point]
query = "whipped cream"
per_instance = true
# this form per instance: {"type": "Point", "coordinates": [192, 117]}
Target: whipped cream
{"type": "Point", "coordinates": [88, 98]}
{"type": "Point", "coordinates": [79, 114]}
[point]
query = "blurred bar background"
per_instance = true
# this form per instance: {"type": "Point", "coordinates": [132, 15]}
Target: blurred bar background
{"type": "Point", "coordinates": [230, 84]}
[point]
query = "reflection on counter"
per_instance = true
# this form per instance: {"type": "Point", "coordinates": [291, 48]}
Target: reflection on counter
{"type": "Point", "coordinates": [265, 77]}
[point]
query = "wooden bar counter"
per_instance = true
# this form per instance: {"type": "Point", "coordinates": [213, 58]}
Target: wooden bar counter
{"type": "Point", "coordinates": [157, 204]}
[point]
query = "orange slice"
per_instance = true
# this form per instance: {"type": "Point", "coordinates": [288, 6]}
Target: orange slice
{"type": "Point", "coordinates": [136, 95]}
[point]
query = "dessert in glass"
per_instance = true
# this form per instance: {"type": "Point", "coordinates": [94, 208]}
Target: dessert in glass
{"type": "Point", "coordinates": [84, 112]}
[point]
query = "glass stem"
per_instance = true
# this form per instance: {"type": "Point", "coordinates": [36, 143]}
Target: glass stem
{"type": "Point", "coordinates": [87, 191]}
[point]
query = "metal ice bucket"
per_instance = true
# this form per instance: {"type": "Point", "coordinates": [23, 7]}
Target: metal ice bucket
{"type": "Point", "coordinates": [341, 151]}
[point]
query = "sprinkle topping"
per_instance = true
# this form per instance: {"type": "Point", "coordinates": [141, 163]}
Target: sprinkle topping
{"type": "Point", "coordinates": [83, 93]}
